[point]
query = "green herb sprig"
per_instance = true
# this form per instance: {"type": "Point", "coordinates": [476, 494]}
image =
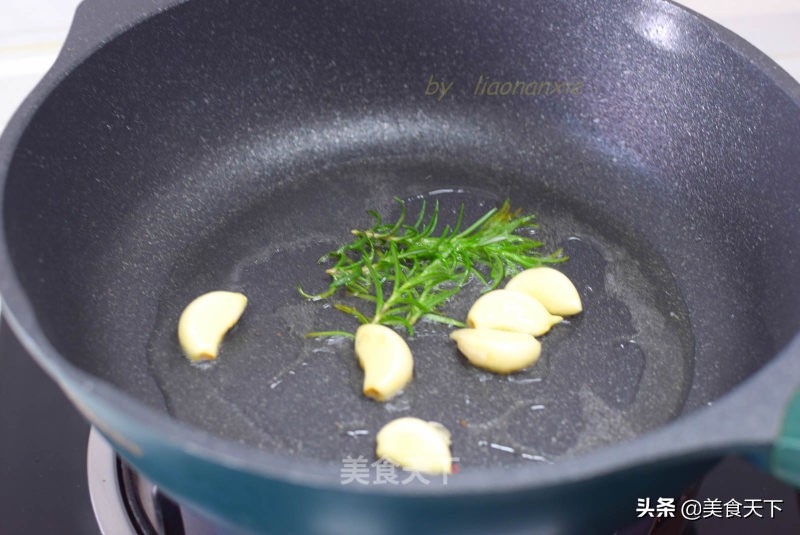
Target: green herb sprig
{"type": "Point", "coordinates": [407, 272]}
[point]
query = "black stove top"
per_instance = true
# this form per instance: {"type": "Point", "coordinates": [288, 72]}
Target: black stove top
{"type": "Point", "coordinates": [43, 480]}
{"type": "Point", "coordinates": [43, 486]}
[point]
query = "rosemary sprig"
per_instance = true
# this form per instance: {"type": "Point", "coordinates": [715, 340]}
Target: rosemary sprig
{"type": "Point", "coordinates": [408, 271]}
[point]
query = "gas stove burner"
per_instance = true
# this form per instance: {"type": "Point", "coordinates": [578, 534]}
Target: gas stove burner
{"type": "Point", "coordinates": [127, 503]}
{"type": "Point", "coordinates": [124, 502]}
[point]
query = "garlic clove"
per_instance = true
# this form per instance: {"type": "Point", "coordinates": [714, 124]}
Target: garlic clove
{"type": "Point", "coordinates": [550, 287]}
{"type": "Point", "coordinates": [497, 351]}
{"type": "Point", "coordinates": [416, 445]}
{"type": "Point", "coordinates": [505, 310]}
{"type": "Point", "coordinates": [386, 360]}
{"type": "Point", "coordinates": [204, 322]}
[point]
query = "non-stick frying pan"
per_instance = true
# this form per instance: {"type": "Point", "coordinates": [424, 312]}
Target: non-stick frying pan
{"type": "Point", "coordinates": [227, 145]}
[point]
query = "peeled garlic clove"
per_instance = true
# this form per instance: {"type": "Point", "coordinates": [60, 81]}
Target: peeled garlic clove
{"type": "Point", "coordinates": [386, 360]}
{"type": "Point", "coordinates": [205, 321]}
{"type": "Point", "coordinates": [416, 445]}
{"type": "Point", "coordinates": [497, 351]}
{"type": "Point", "coordinates": [505, 310]}
{"type": "Point", "coordinates": [550, 287]}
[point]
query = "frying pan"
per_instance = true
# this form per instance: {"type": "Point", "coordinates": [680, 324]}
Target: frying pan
{"type": "Point", "coordinates": [227, 145]}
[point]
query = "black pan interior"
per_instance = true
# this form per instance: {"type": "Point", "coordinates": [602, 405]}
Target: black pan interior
{"type": "Point", "coordinates": [229, 146]}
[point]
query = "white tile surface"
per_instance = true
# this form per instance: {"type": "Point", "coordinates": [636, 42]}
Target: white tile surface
{"type": "Point", "coordinates": [772, 26]}
{"type": "Point", "coordinates": [31, 33]}
{"type": "Point", "coordinates": [34, 22]}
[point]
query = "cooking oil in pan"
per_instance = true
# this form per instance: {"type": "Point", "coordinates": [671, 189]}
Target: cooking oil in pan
{"type": "Point", "coordinates": [621, 367]}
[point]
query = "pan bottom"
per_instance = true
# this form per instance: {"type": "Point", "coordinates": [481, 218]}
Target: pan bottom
{"type": "Point", "coordinates": [620, 368]}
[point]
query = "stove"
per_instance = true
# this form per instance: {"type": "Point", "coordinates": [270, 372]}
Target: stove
{"type": "Point", "coordinates": [43, 487]}
{"type": "Point", "coordinates": [127, 503]}
{"type": "Point", "coordinates": [59, 476]}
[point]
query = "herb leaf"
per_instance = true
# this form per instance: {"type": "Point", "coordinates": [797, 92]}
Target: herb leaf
{"type": "Point", "coordinates": [407, 272]}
